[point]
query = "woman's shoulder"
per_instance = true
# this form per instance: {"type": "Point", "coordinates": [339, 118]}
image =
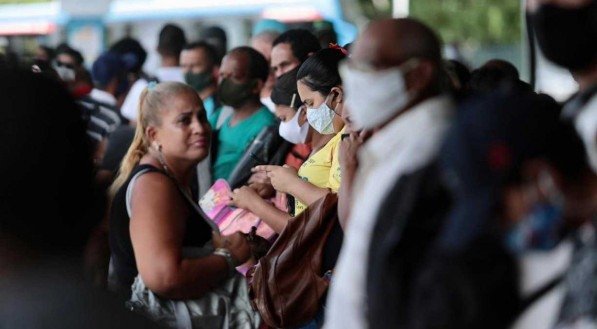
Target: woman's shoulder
{"type": "Point", "coordinates": [152, 179]}
{"type": "Point", "coordinates": [155, 190]}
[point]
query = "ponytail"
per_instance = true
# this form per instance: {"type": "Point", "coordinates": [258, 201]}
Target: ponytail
{"type": "Point", "coordinates": [135, 152]}
{"type": "Point", "coordinates": [152, 100]}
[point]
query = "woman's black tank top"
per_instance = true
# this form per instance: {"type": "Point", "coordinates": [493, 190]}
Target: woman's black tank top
{"type": "Point", "coordinates": [124, 268]}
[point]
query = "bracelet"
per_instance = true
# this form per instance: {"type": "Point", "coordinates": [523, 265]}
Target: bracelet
{"type": "Point", "coordinates": [228, 257]}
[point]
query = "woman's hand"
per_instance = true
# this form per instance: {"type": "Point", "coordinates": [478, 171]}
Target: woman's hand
{"type": "Point", "coordinates": [259, 177]}
{"type": "Point", "coordinates": [349, 148]}
{"type": "Point", "coordinates": [244, 197]}
{"type": "Point", "coordinates": [262, 184]}
{"type": "Point", "coordinates": [282, 178]}
{"type": "Point", "coordinates": [236, 243]}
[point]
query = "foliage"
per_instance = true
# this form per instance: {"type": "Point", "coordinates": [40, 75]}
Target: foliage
{"type": "Point", "coordinates": [472, 21]}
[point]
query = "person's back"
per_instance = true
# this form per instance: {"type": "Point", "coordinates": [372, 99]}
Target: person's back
{"type": "Point", "coordinates": [171, 40]}
{"type": "Point", "coordinates": [395, 187]}
{"type": "Point", "coordinates": [503, 249]}
{"type": "Point", "coordinates": [45, 222]}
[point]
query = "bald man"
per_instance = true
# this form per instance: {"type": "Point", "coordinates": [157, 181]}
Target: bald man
{"type": "Point", "coordinates": [397, 62]}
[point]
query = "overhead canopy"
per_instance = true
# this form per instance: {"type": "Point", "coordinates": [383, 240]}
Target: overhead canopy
{"type": "Point", "coordinates": [30, 18]}
{"type": "Point", "coordinates": [130, 10]}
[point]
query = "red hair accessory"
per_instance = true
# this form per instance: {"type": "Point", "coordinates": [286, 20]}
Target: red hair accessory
{"type": "Point", "coordinates": [499, 156]}
{"type": "Point", "coordinates": [335, 46]}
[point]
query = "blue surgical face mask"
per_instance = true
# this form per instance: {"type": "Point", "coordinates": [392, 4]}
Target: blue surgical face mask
{"type": "Point", "coordinates": [322, 118]}
{"type": "Point", "coordinates": [539, 230]}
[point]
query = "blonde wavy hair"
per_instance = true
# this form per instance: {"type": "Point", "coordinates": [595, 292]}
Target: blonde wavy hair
{"type": "Point", "coordinates": [152, 102]}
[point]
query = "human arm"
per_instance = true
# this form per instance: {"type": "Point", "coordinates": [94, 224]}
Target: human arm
{"type": "Point", "coordinates": [285, 179]}
{"type": "Point", "coordinates": [348, 166]}
{"type": "Point", "coordinates": [247, 198]}
{"type": "Point", "coordinates": [157, 230]}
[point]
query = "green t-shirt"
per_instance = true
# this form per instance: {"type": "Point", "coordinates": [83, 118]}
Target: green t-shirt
{"type": "Point", "coordinates": [233, 141]}
{"type": "Point", "coordinates": [211, 104]}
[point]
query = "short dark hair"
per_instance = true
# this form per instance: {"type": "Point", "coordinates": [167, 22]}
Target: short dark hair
{"type": "Point", "coordinates": [210, 51]}
{"type": "Point", "coordinates": [258, 66]}
{"type": "Point", "coordinates": [128, 46]}
{"type": "Point", "coordinates": [49, 51]}
{"type": "Point", "coordinates": [320, 71]}
{"type": "Point", "coordinates": [171, 40]}
{"type": "Point", "coordinates": [216, 36]}
{"type": "Point", "coordinates": [494, 75]}
{"type": "Point", "coordinates": [301, 41]}
{"type": "Point", "coordinates": [68, 50]}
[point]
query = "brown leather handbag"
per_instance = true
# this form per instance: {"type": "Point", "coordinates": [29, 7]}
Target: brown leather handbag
{"type": "Point", "coordinates": [288, 284]}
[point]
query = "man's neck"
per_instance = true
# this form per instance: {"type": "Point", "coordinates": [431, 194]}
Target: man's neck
{"type": "Point", "coordinates": [245, 111]}
{"type": "Point", "coordinates": [207, 92]}
{"type": "Point", "coordinates": [169, 62]}
{"type": "Point", "coordinates": [587, 78]}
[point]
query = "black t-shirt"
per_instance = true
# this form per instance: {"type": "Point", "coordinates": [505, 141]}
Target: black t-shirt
{"type": "Point", "coordinates": [119, 142]}
{"type": "Point", "coordinates": [197, 233]}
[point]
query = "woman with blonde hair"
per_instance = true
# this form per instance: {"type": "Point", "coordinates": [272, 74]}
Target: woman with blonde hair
{"type": "Point", "coordinates": [151, 218]}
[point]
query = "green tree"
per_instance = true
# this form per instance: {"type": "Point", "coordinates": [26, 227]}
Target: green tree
{"type": "Point", "coordinates": [472, 21]}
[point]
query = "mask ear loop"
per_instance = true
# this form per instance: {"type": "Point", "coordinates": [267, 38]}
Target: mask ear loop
{"type": "Point", "coordinates": [333, 109]}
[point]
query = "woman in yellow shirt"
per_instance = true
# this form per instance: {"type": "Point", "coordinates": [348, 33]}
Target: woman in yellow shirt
{"type": "Point", "coordinates": [320, 88]}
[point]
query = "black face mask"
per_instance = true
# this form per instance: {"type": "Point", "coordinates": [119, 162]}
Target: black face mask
{"type": "Point", "coordinates": [235, 94]}
{"type": "Point", "coordinates": [568, 37]}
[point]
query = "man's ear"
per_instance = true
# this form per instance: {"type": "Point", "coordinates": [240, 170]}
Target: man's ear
{"type": "Point", "coordinates": [258, 86]}
{"type": "Point", "coordinates": [112, 86]}
{"type": "Point", "coordinates": [420, 78]}
{"type": "Point", "coordinates": [215, 73]}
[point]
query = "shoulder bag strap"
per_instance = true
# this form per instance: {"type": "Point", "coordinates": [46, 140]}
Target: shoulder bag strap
{"type": "Point", "coordinates": [535, 296]}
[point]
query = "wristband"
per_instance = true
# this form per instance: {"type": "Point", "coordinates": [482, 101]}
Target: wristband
{"type": "Point", "coordinates": [228, 257]}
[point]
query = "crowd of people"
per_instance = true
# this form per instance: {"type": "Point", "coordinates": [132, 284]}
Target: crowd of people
{"type": "Point", "coordinates": [401, 190]}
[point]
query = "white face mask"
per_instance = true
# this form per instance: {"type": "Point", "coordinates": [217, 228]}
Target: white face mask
{"type": "Point", "coordinates": [372, 98]}
{"type": "Point", "coordinates": [65, 73]}
{"type": "Point", "coordinates": [322, 119]}
{"type": "Point", "coordinates": [292, 131]}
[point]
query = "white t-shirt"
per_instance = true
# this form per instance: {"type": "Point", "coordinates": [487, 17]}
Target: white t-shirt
{"type": "Point", "coordinates": [405, 145]}
{"type": "Point", "coordinates": [131, 103]}
{"type": "Point", "coordinates": [537, 269]}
